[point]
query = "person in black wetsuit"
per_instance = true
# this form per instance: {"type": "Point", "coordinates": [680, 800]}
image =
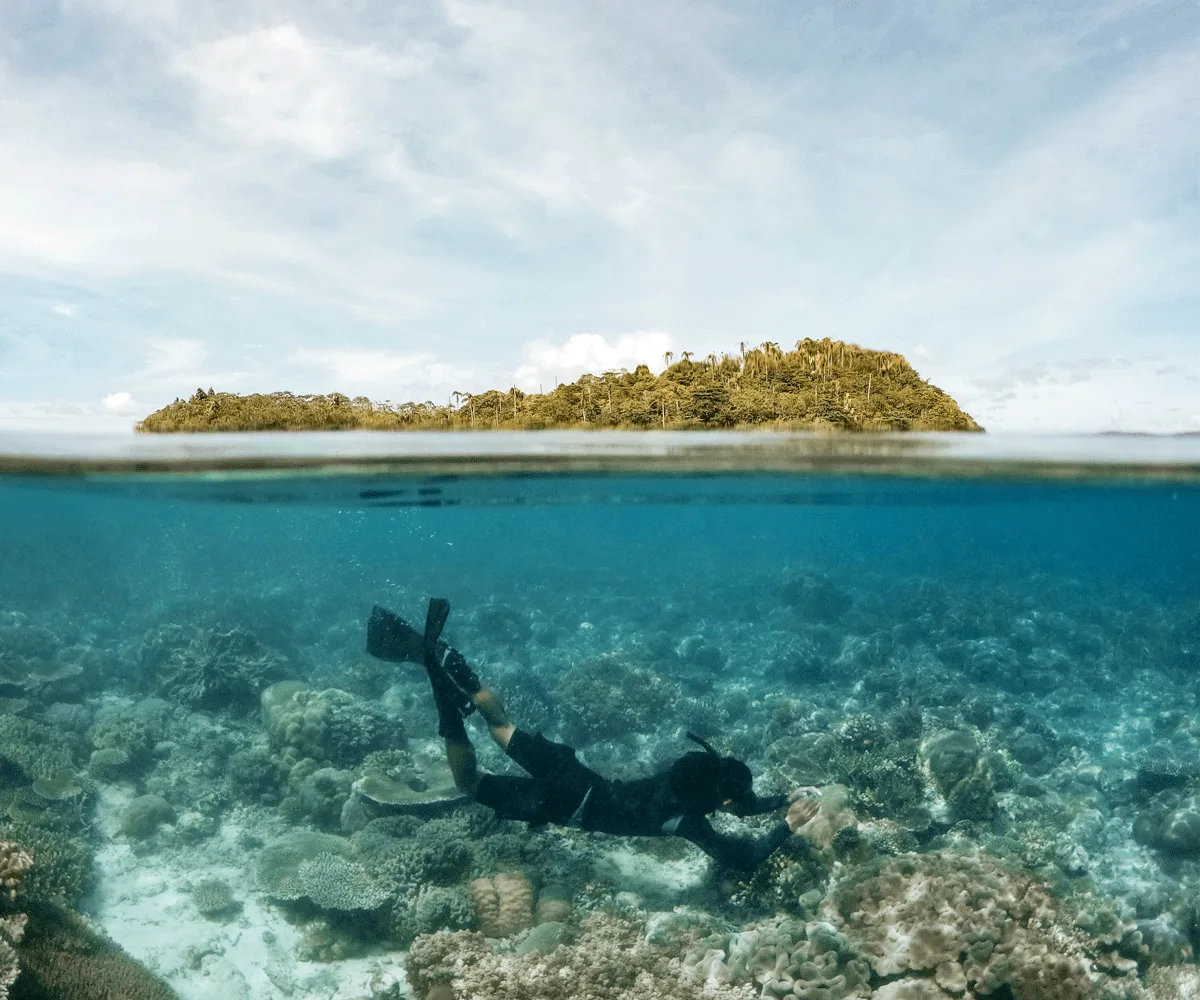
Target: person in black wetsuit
{"type": "Point", "coordinates": [560, 789]}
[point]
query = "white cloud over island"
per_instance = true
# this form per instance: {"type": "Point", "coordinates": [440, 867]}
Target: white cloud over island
{"type": "Point", "coordinates": [453, 195]}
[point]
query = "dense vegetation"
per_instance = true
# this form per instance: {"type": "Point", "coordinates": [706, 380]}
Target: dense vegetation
{"type": "Point", "coordinates": [821, 385]}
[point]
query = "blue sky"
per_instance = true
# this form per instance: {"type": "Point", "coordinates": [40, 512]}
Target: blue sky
{"type": "Point", "coordinates": [405, 199]}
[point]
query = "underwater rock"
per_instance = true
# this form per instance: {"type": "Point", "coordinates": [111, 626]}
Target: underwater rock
{"type": "Point", "coordinates": [143, 816]}
{"type": "Point", "coordinates": [1164, 942]}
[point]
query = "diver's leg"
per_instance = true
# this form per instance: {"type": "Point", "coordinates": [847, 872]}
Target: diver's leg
{"type": "Point", "coordinates": [492, 710]}
{"type": "Point", "coordinates": [460, 754]}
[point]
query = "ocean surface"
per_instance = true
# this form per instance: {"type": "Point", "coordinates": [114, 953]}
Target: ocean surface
{"type": "Point", "coordinates": [983, 652]}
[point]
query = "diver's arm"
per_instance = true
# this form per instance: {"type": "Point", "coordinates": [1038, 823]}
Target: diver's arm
{"type": "Point", "coordinates": [762, 804]}
{"type": "Point", "coordinates": [742, 853]}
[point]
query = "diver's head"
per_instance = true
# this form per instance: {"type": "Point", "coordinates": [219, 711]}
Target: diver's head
{"type": "Point", "coordinates": [702, 781]}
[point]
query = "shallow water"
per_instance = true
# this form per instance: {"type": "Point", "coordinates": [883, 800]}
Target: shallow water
{"type": "Point", "coordinates": [828, 613]}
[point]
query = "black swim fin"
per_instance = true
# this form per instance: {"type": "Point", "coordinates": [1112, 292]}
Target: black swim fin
{"type": "Point", "coordinates": [390, 637]}
{"type": "Point", "coordinates": [435, 621]}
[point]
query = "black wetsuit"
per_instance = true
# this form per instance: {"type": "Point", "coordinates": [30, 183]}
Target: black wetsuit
{"type": "Point", "coordinates": [561, 790]}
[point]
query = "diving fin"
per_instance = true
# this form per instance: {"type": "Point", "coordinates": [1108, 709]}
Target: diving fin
{"type": "Point", "coordinates": [435, 621]}
{"type": "Point", "coordinates": [390, 637]}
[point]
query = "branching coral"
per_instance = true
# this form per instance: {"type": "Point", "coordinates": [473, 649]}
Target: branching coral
{"type": "Point", "coordinates": [318, 867]}
{"type": "Point", "coordinates": [211, 669]}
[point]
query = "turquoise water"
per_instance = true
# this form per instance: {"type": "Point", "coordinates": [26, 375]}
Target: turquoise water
{"type": "Point", "coordinates": [989, 662]}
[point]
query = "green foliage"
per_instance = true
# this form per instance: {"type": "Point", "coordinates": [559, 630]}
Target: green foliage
{"type": "Point", "coordinates": [822, 385]}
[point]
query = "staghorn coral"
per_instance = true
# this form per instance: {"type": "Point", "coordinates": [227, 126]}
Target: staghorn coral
{"type": "Point", "coordinates": [63, 956]}
{"type": "Point", "coordinates": [62, 865]}
{"type": "Point", "coordinates": [609, 961]}
{"type": "Point", "coordinates": [503, 903]}
{"type": "Point", "coordinates": [962, 920]}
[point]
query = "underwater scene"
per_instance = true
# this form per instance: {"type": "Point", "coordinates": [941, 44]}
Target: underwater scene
{"type": "Point", "coordinates": [835, 736]}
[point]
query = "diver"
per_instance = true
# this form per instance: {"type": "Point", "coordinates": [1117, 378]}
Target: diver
{"type": "Point", "coordinates": [560, 789]}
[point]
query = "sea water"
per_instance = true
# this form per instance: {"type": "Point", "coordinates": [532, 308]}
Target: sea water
{"type": "Point", "coordinates": [990, 654]}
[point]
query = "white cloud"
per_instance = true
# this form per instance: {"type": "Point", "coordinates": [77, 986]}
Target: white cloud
{"type": "Point", "coordinates": [545, 361]}
{"type": "Point", "coordinates": [65, 309]}
{"type": "Point", "coordinates": [120, 402]}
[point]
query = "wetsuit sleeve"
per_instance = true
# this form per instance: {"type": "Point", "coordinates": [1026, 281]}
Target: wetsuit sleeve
{"type": "Point", "coordinates": [763, 804]}
{"type": "Point", "coordinates": [742, 853]}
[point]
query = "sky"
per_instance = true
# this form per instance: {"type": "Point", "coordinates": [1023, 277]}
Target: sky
{"type": "Point", "coordinates": [410, 198]}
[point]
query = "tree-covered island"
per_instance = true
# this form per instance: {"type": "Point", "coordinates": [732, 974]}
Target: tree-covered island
{"type": "Point", "coordinates": [820, 385]}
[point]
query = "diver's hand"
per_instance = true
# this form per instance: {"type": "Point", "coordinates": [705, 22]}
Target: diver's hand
{"type": "Point", "coordinates": [803, 808]}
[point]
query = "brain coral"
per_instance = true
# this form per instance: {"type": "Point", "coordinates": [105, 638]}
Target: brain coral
{"type": "Point", "coordinates": [503, 903]}
{"type": "Point", "coordinates": [961, 920]}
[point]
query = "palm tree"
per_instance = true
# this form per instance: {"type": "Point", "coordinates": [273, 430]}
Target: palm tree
{"type": "Point", "coordinates": [668, 357]}
{"type": "Point", "coordinates": [687, 356]}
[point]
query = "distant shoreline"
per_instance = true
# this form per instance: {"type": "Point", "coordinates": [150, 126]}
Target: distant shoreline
{"type": "Point", "coordinates": [822, 385]}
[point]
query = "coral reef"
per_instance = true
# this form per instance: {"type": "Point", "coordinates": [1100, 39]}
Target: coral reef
{"type": "Point", "coordinates": [214, 898]}
{"type": "Point", "coordinates": [503, 904]}
{"type": "Point", "coordinates": [962, 921]}
{"type": "Point", "coordinates": [330, 725]}
{"type": "Point", "coordinates": [791, 959]}
{"type": "Point", "coordinates": [610, 960]}
{"type": "Point", "coordinates": [318, 867]}
{"type": "Point", "coordinates": [208, 668]}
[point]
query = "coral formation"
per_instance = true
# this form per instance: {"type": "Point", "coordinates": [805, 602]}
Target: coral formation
{"type": "Point", "coordinates": [329, 725]}
{"type": "Point", "coordinates": [144, 815]}
{"type": "Point", "coordinates": [214, 898]}
{"type": "Point", "coordinates": [503, 903]}
{"type": "Point", "coordinates": [961, 921]}
{"type": "Point", "coordinates": [791, 959]}
{"type": "Point", "coordinates": [208, 668]}
{"type": "Point", "coordinates": [318, 867]}
{"type": "Point", "coordinates": [610, 960]}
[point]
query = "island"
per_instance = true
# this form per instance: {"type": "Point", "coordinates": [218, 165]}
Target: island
{"type": "Point", "coordinates": [821, 385]}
